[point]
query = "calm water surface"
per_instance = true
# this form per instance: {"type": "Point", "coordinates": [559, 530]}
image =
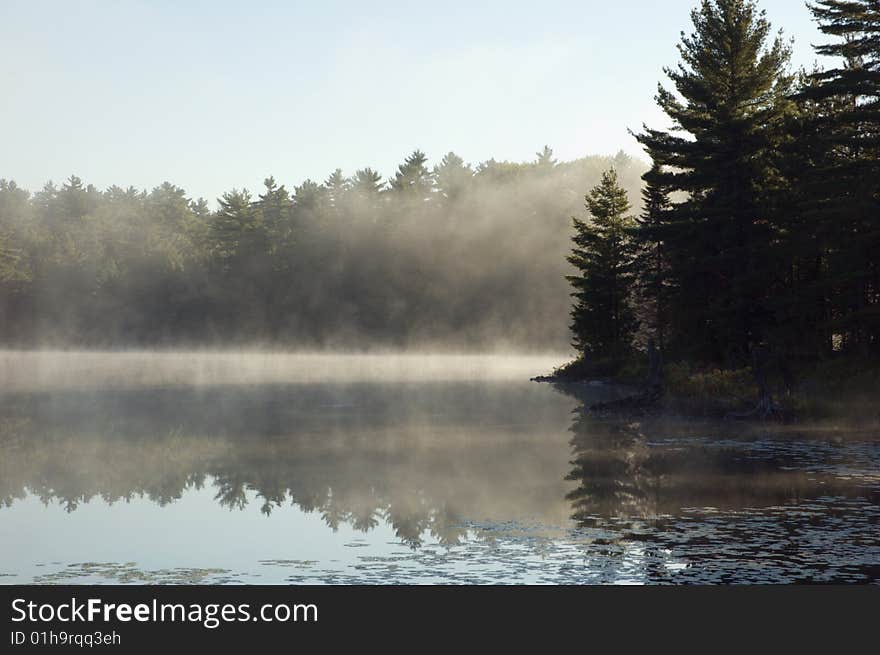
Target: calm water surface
{"type": "Point", "coordinates": [271, 468]}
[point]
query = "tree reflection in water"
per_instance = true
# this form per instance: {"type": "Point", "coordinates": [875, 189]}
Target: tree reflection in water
{"type": "Point", "coordinates": [657, 493]}
{"type": "Point", "coordinates": [652, 469]}
{"type": "Point", "coordinates": [424, 462]}
{"type": "Point", "coordinates": [439, 464]}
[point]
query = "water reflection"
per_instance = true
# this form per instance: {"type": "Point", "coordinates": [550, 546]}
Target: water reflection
{"type": "Point", "coordinates": [479, 481]}
{"type": "Point", "coordinates": [421, 458]}
{"type": "Point", "coordinates": [660, 468]}
{"type": "Point", "coordinates": [726, 502]}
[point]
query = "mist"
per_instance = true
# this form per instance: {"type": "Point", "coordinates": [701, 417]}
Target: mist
{"type": "Point", "coordinates": [47, 371]}
{"type": "Point", "coordinates": [443, 257]}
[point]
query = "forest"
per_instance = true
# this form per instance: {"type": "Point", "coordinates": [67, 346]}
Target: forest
{"type": "Point", "coordinates": [448, 256]}
{"type": "Point", "coordinates": [753, 227]}
{"type": "Point", "coordinates": [757, 241]}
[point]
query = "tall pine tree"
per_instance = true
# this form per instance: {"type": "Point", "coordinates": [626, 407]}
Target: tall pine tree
{"type": "Point", "coordinates": [650, 265]}
{"type": "Point", "coordinates": [844, 189]}
{"type": "Point", "coordinates": [603, 322]}
{"type": "Point", "coordinates": [728, 117]}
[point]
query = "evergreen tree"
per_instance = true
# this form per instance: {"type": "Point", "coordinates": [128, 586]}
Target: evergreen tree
{"type": "Point", "coordinates": [804, 303]}
{"type": "Point", "coordinates": [728, 125]}
{"type": "Point", "coordinates": [413, 179]}
{"type": "Point", "coordinates": [275, 207]}
{"type": "Point", "coordinates": [545, 159]}
{"type": "Point", "coordinates": [453, 176]}
{"type": "Point", "coordinates": [844, 187]}
{"type": "Point", "coordinates": [309, 198]}
{"type": "Point", "coordinates": [367, 182]}
{"type": "Point", "coordinates": [603, 322]}
{"type": "Point", "coordinates": [237, 231]}
{"type": "Point", "coordinates": [336, 186]}
{"type": "Point", "coordinates": [173, 223]}
{"type": "Point", "coordinates": [366, 195]}
{"type": "Point", "coordinates": [77, 199]}
{"type": "Point", "coordinates": [650, 263]}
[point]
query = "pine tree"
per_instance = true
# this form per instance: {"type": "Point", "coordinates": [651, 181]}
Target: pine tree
{"type": "Point", "coordinates": [413, 179]}
{"type": "Point", "coordinates": [845, 187]}
{"type": "Point", "coordinates": [452, 176]}
{"type": "Point", "coordinates": [367, 191]}
{"type": "Point", "coordinates": [77, 199]}
{"type": "Point", "coordinates": [309, 204]}
{"type": "Point", "coordinates": [804, 304]}
{"type": "Point", "coordinates": [546, 160]}
{"type": "Point", "coordinates": [728, 124]}
{"type": "Point", "coordinates": [650, 265]}
{"type": "Point", "coordinates": [603, 322]}
{"type": "Point", "coordinates": [367, 182]}
{"type": "Point", "coordinates": [237, 231]}
{"type": "Point", "coordinates": [337, 187]}
{"type": "Point", "coordinates": [275, 207]}
{"type": "Point", "coordinates": [173, 223]}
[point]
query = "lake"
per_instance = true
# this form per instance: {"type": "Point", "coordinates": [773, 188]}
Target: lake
{"type": "Point", "coordinates": [413, 469]}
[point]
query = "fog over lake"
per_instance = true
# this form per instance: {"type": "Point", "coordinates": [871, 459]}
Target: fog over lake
{"type": "Point", "coordinates": [382, 468]}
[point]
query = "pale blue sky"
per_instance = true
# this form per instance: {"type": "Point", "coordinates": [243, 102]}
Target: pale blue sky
{"type": "Point", "coordinates": [215, 95]}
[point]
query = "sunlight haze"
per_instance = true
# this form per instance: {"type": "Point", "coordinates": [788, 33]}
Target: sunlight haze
{"type": "Point", "coordinates": [215, 95]}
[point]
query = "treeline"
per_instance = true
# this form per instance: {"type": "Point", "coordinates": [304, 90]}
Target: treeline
{"type": "Point", "coordinates": [449, 256]}
{"type": "Point", "coordinates": [758, 243]}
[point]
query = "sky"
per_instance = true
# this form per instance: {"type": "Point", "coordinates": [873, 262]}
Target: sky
{"type": "Point", "coordinates": [215, 95]}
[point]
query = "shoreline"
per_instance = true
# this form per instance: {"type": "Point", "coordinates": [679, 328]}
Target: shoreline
{"type": "Point", "coordinates": [638, 401]}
